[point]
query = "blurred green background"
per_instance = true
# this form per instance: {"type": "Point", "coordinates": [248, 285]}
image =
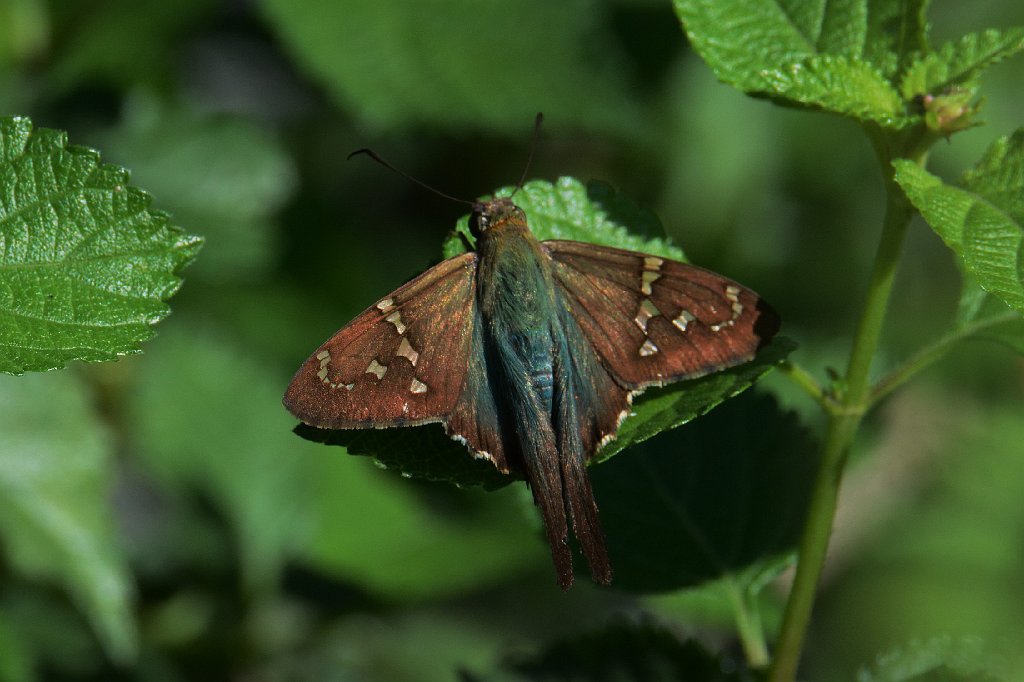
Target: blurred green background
{"type": "Point", "coordinates": [245, 552]}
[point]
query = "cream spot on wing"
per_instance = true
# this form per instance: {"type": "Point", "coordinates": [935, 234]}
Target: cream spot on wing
{"type": "Point", "coordinates": [647, 278]}
{"type": "Point", "coordinates": [684, 319]}
{"type": "Point", "coordinates": [646, 312]}
{"type": "Point", "coordinates": [395, 318]}
{"type": "Point", "coordinates": [324, 357]}
{"type": "Point", "coordinates": [417, 386]}
{"type": "Point", "coordinates": [732, 293]}
{"type": "Point", "coordinates": [650, 274]}
{"type": "Point", "coordinates": [648, 349]}
{"type": "Point", "coordinates": [347, 387]}
{"type": "Point", "coordinates": [376, 369]}
{"type": "Point", "coordinates": [406, 350]}
{"type": "Point", "coordinates": [385, 304]}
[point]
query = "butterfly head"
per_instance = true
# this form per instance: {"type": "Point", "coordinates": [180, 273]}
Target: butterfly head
{"type": "Point", "coordinates": [496, 213]}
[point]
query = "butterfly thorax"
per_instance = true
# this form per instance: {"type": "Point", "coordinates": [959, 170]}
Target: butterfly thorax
{"type": "Point", "coordinates": [516, 296]}
{"type": "Point", "coordinates": [514, 285]}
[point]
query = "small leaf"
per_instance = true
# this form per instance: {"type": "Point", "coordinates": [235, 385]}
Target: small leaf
{"type": "Point", "coordinates": [897, 32]}
{"type": "Point", "coordinates": [983, 316]}
{"type": "Point", "coordinates": [982, 222]}
{"type": "Point", "coordinates": [842, 85]}
{"type": "Point", "coordinates": [56, 470]}
{"type": "Point", "coordinates": [839, 57]}
{"type": "Point", "coordinates": [568, 209]}
{"type": "Point", "coordinates": [662, 502]}
{"type": "Point", "coordinates": [959, 63]}
{"type": "Point", "coordinates": [85, 264]}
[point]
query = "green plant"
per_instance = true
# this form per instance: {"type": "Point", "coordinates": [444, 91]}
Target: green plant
{"type": "Point", "coordinates": [233, 547]}
{"type": "Point", "coordinates": [874, 65]}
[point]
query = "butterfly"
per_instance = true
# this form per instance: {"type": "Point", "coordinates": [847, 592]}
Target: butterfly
{"type": "Point", "coordinates": [530, 353]}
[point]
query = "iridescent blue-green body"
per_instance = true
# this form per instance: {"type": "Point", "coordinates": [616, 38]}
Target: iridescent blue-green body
{"type": "Point", "coordinates": [528, 339]}
{"type": "Point", "coordinates": [530, 353]}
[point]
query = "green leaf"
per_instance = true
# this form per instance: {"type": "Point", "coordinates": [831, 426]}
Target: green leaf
{"type": "Point", "coordinates": [842, 85]}
{"type": "Point", "coordinates": [568, 209]}
{"type": "Point", "coordinates": [661, 409]}
{"type": "Point", "coordinates": [620, 651]}
{"type": "Point", "coordinates": [960, 62]}
{"type": "Point", "coordinates": [449, 63]}
{"type": "Point", "coordinates": [839, 57]}
{"type": "Point", "coordinates": [85, 264]}
{"type": "Point", "coordinates": [896, 33]}
{"type": "Point", "coordinates": [939, 658]}
{"type": "Point", "coordinates": [56, 470]}
{"type": "Point", "coordinates": [983, 316]}
{"type": "Point", "coordinates": [982, 222]}
{"type": "Point", "coordinates": [663, 503]}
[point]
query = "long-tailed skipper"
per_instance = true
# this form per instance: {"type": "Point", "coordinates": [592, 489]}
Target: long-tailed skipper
{"type": "Point", "coordinates": [530, 354]}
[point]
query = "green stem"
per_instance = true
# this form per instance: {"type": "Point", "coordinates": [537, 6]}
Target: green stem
{"type": "Point", "coordinates": [932, 352]}
{"type": "Point", "coordinates": [805, 380]}
{"type": "Point", "coordinates": [748, 626]}
{"type": "Point", "coordinates": [842, 427]}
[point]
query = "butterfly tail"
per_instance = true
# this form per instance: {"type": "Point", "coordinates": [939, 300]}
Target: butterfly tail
{"type": "Point", "coordinates": [544, 473]}
{"type": "Point", "coordinates": [586, 523]}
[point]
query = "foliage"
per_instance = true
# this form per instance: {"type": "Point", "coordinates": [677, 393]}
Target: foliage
{"type": "Point", "coordinates": [86, 265]}
{"type": "Point", "coordinates": [160, 520]}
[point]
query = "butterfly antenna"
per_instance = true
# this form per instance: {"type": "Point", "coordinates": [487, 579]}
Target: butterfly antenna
{"type": "Point", "coordinates": [379, 159]}
{"type": "Point", "coordinates": [529, 159]}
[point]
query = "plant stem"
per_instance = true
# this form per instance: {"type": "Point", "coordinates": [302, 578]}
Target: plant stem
{"type": "Point", "coordinates": [932, 352]}
{"type": "Point", "coordinates": [806, 381]}
{"type": "Point", "coordinates": [842, 427]}
{"type": "Point", "coordinates": [748, 625]}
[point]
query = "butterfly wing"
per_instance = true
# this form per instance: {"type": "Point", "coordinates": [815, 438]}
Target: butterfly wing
{"type": "Point", "coordinates": [411, 358]}
{"type": "Point", "coordinates": [396, 364]}
{"type": "Point", "coordinates": [652, 320]}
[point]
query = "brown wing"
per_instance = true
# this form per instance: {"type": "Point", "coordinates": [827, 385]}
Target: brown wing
{"type": "Point", "coordinates": [401, 362]}
{"type": "Point", "coordinates": [653, 320]}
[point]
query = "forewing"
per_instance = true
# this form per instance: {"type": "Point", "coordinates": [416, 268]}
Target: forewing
{"type": "Point", "coordinates": [652, 320]}
{"type": "Point", "coordinates": [401, 362]}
